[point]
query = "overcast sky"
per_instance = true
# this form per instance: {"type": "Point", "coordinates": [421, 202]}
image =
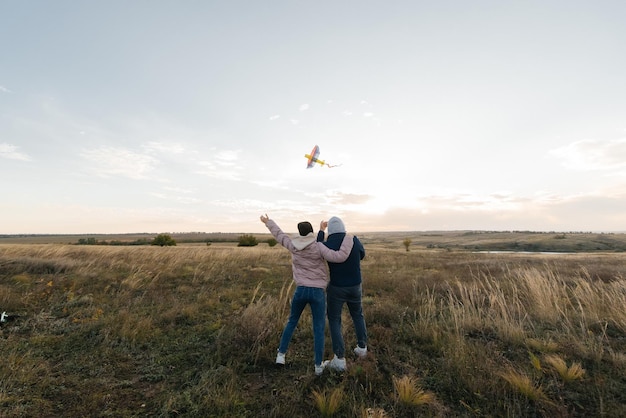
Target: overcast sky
{"type": "Point", "coordinates": [176, 116]}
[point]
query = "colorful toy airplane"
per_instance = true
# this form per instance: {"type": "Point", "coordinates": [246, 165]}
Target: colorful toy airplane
{"type": "Point", "coordinates": [312, 158]}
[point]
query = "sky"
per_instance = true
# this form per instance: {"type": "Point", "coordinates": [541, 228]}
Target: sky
{"type": "Point", "coordinates": [178, 116]}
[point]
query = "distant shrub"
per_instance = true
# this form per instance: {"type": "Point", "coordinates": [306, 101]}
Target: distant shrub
{"type": "Point", "coordinates": [406, 243]}
{"type": "Point", "coordinates": [163, 240]}
{"type": "Point", "coordinates": [272, 242]}
{"type": "Point", "coordinates": [87, 241]}
{"type": "Point", "coordinates": [247, 240]}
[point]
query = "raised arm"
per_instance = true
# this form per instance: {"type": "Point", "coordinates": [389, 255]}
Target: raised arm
{"type": "Point", "coordinates": [282, 238]}
{"type": "Point", "coordinates": [340, 255]}
{"type": "Point", "coordinates": [321, 235]}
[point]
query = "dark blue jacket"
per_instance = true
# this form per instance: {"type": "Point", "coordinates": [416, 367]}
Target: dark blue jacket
{"type": "Point", "coordinates": [347, 273]}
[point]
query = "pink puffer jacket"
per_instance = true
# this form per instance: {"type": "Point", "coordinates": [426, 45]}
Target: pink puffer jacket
{"type": "Point", "coordinates": [309, 259]}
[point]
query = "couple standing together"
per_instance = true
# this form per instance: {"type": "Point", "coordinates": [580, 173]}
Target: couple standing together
{"type": "Point", "coordinates": [343, 253]}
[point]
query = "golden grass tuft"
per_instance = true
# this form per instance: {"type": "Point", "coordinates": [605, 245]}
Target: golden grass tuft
{"type": "Point", "coordinates": [523, 385]}
{"type": "Point", "coordinates": [328, 402]}
{"type": "Point", "coordinates": [410, 393]}
{"type": "Point", "coordinates": [568, 374]}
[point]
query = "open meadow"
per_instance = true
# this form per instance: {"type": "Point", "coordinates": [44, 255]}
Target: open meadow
{"type": "Point", "coordinates": [192, 331]}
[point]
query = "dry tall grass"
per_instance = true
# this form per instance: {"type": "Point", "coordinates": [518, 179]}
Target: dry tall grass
{"type": "Point", "coordinates": [193, 331]}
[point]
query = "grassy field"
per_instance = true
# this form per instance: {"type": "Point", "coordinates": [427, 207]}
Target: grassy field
{"type": "Point", "coordinates": [192, 331]}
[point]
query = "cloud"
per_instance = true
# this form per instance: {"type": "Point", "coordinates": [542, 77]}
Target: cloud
{"type": "Point", "coordinates": [605, 211]}
{"type": "Point", "coordinates": [4, 89]}
{"type": "Point", "coordinates": [304, 107]}
{"type": "Point", "coordinates": [274, 183]}
{"type": "Point", "coordinates": [227, 157]}
{"type": "Point", "coordinates": [10, 152]}
{"type": "Point", "coordinates": [165, 147]}
{"type": "Point", "coordinates": [274, 117]}
{"type": "Point", "coordinates": [493, 202]}
{"type": "Point", "coordinates": [222, 166]}
{"type": "Point", "coordinates": [111, 161]}
{"type": "Point", "coordinates": [294, 121]}
{"type": "Point", "coordinates": [588, 155]}
{"type": "Point", "coordinates": [173, 198]}
{"type": "Point", "coordinates": [340, 198]}
{"type": "Point", "coordinates": [178, 190]}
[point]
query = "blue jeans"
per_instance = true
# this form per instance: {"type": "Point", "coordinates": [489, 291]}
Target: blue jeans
{"type": "Point", "coordinates": [351, 296]}
{"type": "Point", "coordinates": [302, 296]}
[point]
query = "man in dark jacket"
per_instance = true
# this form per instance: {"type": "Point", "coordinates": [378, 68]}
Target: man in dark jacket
{"type": "Point", "coordinates": [345, 287]}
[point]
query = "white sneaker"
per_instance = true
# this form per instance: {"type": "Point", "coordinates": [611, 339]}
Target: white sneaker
{"type": "Point", "coordinates": [280, 358]}
{"type": "Point", "coordinates": [361, 352]}
{"type": "Point", "coordinates": [338, 364]}
{"type": "Point", "coordinates": [320, 369]}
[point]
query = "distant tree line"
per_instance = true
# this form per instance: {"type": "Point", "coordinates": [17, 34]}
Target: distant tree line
{"type": "Point", "coordinates": [94, 241]}
{"type": "Point", "coordinates": [161, 240]}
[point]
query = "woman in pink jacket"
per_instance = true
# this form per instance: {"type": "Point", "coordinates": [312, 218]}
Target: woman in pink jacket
{"type": "Point", "coordinates": [311, 276]}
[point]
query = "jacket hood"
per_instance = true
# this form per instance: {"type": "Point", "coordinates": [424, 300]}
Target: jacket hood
{"type": "Point", "coordinates": [335, 225]}
{"type": "Point", "coordinates": [301, 242]}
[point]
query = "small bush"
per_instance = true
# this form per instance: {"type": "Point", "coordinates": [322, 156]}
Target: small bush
{"type": "Point", "coordinates": [87, 241]}
{"type": "Point", "coordinates": [163, 240]}
{"type": "Point", "coordinates": [247, 240]}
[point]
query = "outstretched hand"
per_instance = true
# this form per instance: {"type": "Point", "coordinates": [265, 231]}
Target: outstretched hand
{"type": "Point", "coordinates": [323, 225]}
{"type": "Point", "coordinates": [265, 218]}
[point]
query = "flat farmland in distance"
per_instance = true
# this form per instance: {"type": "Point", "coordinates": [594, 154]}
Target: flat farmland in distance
{"type": "Point", "coordinates": [503, 240]}
{"type": "Point", "coordinates": [523, 241]}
